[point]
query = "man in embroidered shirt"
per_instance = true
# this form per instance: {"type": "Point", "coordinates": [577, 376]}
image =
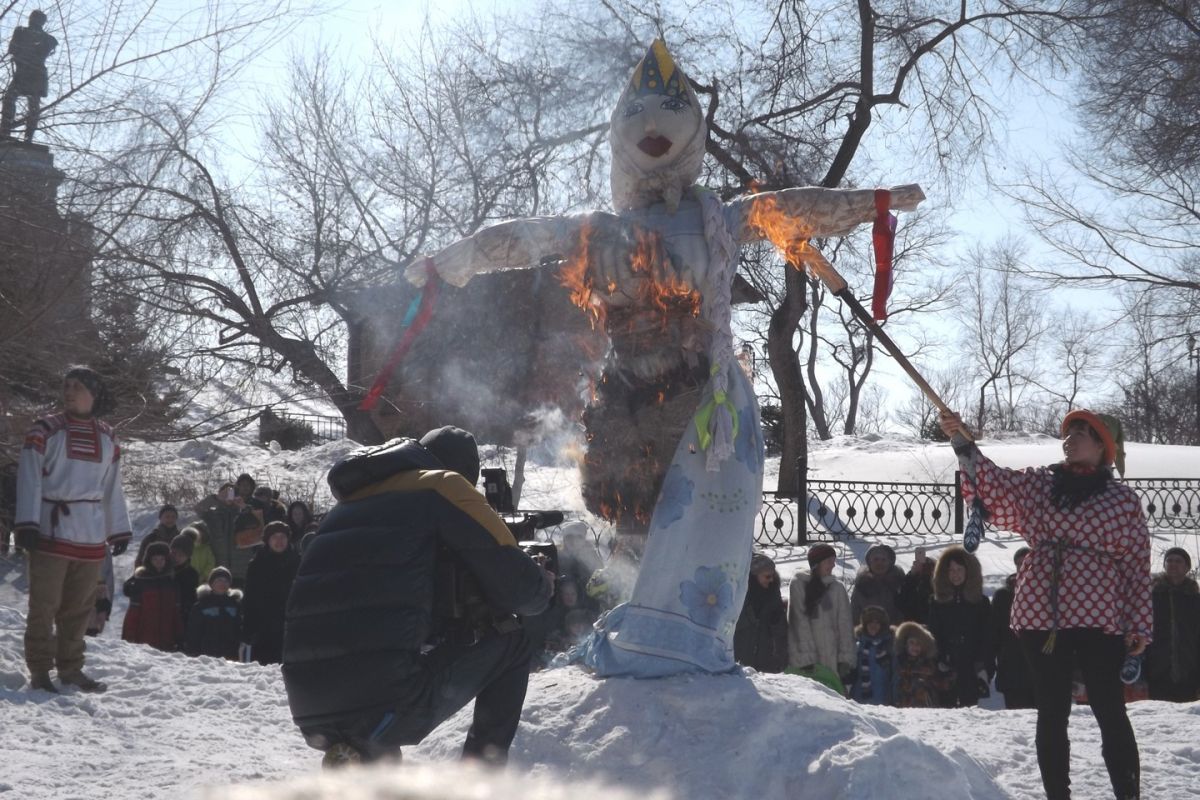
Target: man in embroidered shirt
{"type": "Point", "coordinates": [70, 510]}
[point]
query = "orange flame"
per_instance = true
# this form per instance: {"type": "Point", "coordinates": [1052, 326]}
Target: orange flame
{"type": "Point", "coordinates": [786, 231]}
{"type": "Point", "coordinates": [654, 286]}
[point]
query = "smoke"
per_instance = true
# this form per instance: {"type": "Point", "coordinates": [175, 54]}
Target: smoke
{"type": "Point", "coordinates": [552, 438]}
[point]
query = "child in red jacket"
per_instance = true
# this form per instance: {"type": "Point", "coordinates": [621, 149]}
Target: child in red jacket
{"type": "Point", "coordinates": [154, 617]}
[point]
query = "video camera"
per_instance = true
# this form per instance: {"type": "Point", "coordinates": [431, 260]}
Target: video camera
{"type": "Point", "coordinates": [522, 524]}
{"type": "Point", "coordinates": [457, 595]}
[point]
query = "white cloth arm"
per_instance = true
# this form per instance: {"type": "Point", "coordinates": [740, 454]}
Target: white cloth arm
{"type": "Point", "coordinates": [813, 212]}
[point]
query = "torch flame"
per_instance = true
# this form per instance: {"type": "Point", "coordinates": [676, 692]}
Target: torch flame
{"type": "Point", "coordinates": [790, 235]}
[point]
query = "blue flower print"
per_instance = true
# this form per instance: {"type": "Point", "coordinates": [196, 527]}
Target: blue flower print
{"type": "Point", "coordinates": [748, 449]}
{"type": "Point", "coordinates": [707, 597]}
{"type": "Point", "coordinates": [675, 497]}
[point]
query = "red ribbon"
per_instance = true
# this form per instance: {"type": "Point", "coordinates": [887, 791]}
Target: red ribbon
{"type": "Point", "coordinates": [428, 295]}
{"type": "Point", "coordinates": [883, 240]}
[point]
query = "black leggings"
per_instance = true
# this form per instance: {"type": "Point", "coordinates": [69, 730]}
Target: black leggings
{"type": "Point", "coordinates": [1099, 656]}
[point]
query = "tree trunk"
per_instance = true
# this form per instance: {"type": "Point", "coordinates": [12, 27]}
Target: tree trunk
{"type": "Point", "coordinates": [785, 367]}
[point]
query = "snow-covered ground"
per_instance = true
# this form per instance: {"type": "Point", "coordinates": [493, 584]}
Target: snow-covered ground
{"type": "Point", "coordinates": [171, 726]}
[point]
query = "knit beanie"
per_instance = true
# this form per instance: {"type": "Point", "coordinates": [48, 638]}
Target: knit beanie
{"type": "Point", "coordinates": [760, 563]}
{"type": "Point", "coordinates": [102, 402]}
{"type": "Point", "coordinates": [184, 544]}
{"type": "Point", "coordinates": [220, 572]}
{"type": "Point", "coordinates": [455, 449]}
{"type": "Point", "coordinates": [819, 552]}
{"type": "Point", "coordinates": [1108, 428]}
{"type": "Point", "coordinates": [1179, 551]}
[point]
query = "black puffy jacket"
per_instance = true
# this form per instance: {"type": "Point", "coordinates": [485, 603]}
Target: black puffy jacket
{"type": "Point", "coordinates": [362, 604]}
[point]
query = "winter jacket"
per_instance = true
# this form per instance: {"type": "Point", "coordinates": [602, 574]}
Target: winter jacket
{"type": "Point", "coordinates": [203, 561]}
{"type": "Point", "coordinates": [161, 533]}
{"type": "Point", "coordinates": [827, 638]}
{"type": "Point", "coordinates": [1102, 546]}
{"type": "Point", "coordinates": [186, 581]}
{"type": "Point", "coordinates": [363, 604]}
{"type": "Point", "coordinates": [69, 488]}
{"type": "Point", "coordinates": [760, 639]}
{"type": "Point", "coordinates": [919, 682]}
{"type": "Point", "coordinates": [1013, 673]}
{"type": "Point", "coordinates": [877, 590]}
{"type": "Point", "coordinates": [153, 617]}
{"type": "Point", "coordinates": [268, 581]}
{"type": "Point", "coordinates": [915, 593]}
{"type": "Point", "coordinates": [874, 664]}
{"type": "Point", "coordinates": [219, 518]}
{"type": "Point", "coordinates": [1172, 666]}
{"type": "Point", "coordinates": [215, 624]}
{"type": "Point", "coordinates": [958, 620]}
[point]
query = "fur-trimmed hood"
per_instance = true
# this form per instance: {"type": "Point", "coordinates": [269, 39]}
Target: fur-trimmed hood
{"type": "Point", "coordinates": [205, 591]}
{"type": "Point", "coordinates": [943, 591]}
{"type": "Point", "coordinates": [915, 630]}
{"type": "Point", "coordinates": [1187, 586]}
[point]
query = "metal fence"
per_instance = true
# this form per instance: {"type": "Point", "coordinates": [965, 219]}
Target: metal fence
{"type": "Point", "coordinates": [836, 510]}
{"type": "Point", "coordinates": [323, 427]}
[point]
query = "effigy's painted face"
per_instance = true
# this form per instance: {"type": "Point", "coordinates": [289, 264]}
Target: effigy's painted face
{"type": "Point", "coordinates": [653, 128]}
{"type": "Point", "coordinates": [657, 133]}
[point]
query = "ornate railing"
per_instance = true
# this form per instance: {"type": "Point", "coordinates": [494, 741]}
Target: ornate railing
{"type": "Point", "coordinates": [841, 509]}
{"type": "Point", "coordinates": [1169, 503]}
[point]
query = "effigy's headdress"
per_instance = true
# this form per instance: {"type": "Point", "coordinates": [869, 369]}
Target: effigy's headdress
{"type": "Point", "coordinates": [657, 74]}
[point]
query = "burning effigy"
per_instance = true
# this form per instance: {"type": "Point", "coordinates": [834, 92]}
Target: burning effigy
{"type": "Point", "coordinates": [674, 443]}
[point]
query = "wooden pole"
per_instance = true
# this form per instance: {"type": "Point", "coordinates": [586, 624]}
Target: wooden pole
{"type": "Point", "coordinates": [820, 266]}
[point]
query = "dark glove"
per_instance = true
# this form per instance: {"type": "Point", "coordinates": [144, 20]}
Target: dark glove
{"type": "Point", "coordinates": [103, 605]}
{"type": "Point", "coordinates": [26, 538]}
{"type": "Point", "coordinates": [120, 546]}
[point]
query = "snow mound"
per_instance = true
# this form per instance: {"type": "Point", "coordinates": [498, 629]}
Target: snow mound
{"type": "Point", "coordinates": [741, 734]}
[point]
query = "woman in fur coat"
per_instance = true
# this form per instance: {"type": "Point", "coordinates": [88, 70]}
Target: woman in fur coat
{"type": "Point", "coordinates": [958, 620]}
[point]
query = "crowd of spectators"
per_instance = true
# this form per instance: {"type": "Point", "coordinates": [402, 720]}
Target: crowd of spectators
{"type": "Point", "coordinates": [218, 586]}
{"type": "Point", "coordinates": [929, 637]}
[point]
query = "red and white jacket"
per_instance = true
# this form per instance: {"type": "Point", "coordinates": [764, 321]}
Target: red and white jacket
{"type": "Point", "coordinates": [69, 487]}
{"type": "Point", "coordinates": [1105, 573]}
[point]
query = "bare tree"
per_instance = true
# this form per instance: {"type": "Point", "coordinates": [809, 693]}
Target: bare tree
{"type": "Point", "coordinates": [1002, 323]}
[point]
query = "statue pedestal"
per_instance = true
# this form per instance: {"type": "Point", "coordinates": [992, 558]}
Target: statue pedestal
{"type": "Point", "coordinates": [45, 267]}
{"type": "Point", "coordinates": [28, 175]}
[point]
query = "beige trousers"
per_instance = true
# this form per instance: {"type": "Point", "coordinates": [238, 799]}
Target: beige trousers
{"type": "Point", "coordinates": [62, 593]}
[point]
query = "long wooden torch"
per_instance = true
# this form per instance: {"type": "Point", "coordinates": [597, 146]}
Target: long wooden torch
{"type": "Point", "coordinates": [820, 266]}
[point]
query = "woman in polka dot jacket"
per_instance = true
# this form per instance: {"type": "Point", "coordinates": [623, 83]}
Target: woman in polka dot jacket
{"type": "Point", "coordinates": [1083, 593]}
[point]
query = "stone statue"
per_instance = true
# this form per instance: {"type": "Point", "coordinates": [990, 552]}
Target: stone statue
{"type": "Point", "coordinates": [29, 48]}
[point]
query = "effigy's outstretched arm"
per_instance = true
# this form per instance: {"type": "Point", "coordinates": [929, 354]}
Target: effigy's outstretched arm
{"type": "Point", "coordinates": [812, 212]}
{"type": "Point", "coordinates": [517, 244]}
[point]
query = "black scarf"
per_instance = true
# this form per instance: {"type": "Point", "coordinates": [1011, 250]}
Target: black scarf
{"type": "Point", "coordinates": [1073, 484]}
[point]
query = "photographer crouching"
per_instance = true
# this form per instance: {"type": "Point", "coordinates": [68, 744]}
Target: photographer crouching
{"type": "Point", "coordinates": [405, 607]}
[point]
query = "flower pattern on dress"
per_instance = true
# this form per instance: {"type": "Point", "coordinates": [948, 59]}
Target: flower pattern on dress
{"type": "Point", "coordinates": [748, 448]}
{"type": "Point", "coordinates": [675, 497]}
{"type": "Point", "coordinates": [707, 596]}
